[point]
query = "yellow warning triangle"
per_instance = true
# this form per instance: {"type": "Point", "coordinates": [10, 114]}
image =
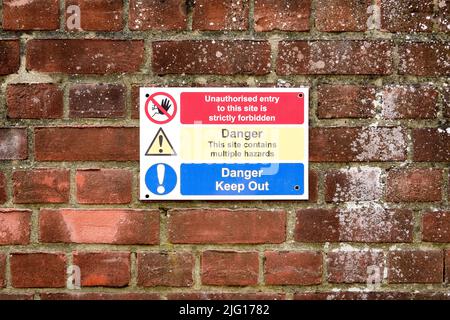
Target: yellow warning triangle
{"type": "Point", "coordinates": [160, 145]}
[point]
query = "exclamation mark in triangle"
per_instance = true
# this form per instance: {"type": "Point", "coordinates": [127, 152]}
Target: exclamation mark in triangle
{"type": "Point", "coordinates": [160, 145]}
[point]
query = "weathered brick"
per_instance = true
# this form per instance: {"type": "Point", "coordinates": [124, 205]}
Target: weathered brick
{"type": "Point", "coordinates": [342, 15]}
{"type": "Point", "coordinates": [446, 99]}
{"type": "Point", "coordinates": [15, 226]}
{"type": "Point", "coordinates": [224, 226]}
{"type": "Point", "coordinates": [85, 56]}
{"type": "Point", "coordinates": [158, 15]}
{"type": "Point", "coordinates": [414, 185]}
{"type": "Point", "coordinates": [353, 266]}
{"type": "Point", "coordinates": [98, 15]}
{"type": "Point", "coordinates": [34, 101]}
{"type": "Point", "coordinates": [345, 101]}
{"type": "Point", "coordinates": [41, 186]}
{"type": "Point", "coordinates": [292, 268]}
{"type": "Point", "coordinates": [282, 15]}
{"type": "Point", "coordinates": [99, 226]}
{"type": "Point", "coordinates": [165, 269]}
{"type": "Point", "coordinates": [2, 270]}
{"type": "Point", "coordinates": [334, 57]}
{"type": "Point", "coordinates": [38, 270]}
{"type": "Point", "coordinates": [97, 101]}
{"type": "Point", "coordinates": [313, 186]}
{"type": "Point", "coordinates": [409, 102]}
{"type": "Point", "coordinates": [86, 144]}
{"type": "Point", "coordinates": [106, 269]}
{"type": "Point", "coordinates": [353, 184]}
{"type": "Point", "coordinates": [436, 226]}
{"type": "Point", "coordinates": [225, 296]}
{"type": "Point", "coordinates": [113, 186]}
{"type": "Point", "coordinates": [229, 268]}
{"type": "Point", "coordinates": [355, 144]}
{"type": "Point", "coordinates": [416, 266]}
{"type": "Point", "coordinates": [100, 296]}
{"type": "Point", "coordinates": [407, 16]}
{"type": "Point", "coordinates": [424, 59]}
{"type": "Point", "coordinates": [3, 195]}
{"type": "Point", "coordinates": [363, 223]}
{"type": "Point", "coordinates": [444, 15]}
{"type": "Point", "coordinates": [220, 15]}
{"type": "Point", "coordinates": [431, 144]}
{"type": "Point", "coordinates": [10, 61]}
{"type": "Point", "coordinates": [14, 144]}
{"type": "Point", "coordinates": [31, 15]}
{"type": "Point", "coordinates": [211, 57]}
{"type": "Point", "coordinates": [447, 266]}
{"type": "Point", "coordinates": [345, 295]}
{"type": "Point", "coordinates": [8, 296]}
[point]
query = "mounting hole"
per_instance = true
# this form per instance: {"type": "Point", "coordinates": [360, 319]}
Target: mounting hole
{"type": "Point", "coordinates": [147, 95]}
{"type": "Point", "coordinates": [147, 196]}
{"type": "Point", "coordinates": [300, 95]}
{"type": "Point", "coordinates": [297, 188]}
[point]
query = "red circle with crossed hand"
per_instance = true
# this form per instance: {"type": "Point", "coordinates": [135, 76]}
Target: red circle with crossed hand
{"type": "Point", "coordinates": [169, 116]}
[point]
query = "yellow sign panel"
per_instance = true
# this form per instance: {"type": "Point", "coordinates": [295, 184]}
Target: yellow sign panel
{"type": "Point", "coordinates": [253, 143]}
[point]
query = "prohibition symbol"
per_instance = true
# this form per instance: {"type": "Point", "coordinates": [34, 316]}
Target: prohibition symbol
{"type": "Point", "coordinates": [160, 108]}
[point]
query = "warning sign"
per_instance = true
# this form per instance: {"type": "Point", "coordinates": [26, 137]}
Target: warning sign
{"type": "Point", "coordinates": [160, 145]}
{"type": "Point", "coordinates": [224, 144]}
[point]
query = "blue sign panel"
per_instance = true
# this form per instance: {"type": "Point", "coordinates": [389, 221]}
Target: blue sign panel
{"type": "Point", "coordinates": [242, 179]}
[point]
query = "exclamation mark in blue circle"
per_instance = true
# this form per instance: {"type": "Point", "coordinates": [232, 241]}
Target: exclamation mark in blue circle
{"type": "Point", "coordinates": [161, 179]}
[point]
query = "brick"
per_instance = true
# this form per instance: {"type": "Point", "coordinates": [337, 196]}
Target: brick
{"type": "Point", "coordinates": [354, 266]}
{"type": "Point", "coordinates": [414, 185]}
{"type": "Point", "coordinates": [3, 195]}
{"type": "Point", "coordinates": [15, 226]}
{"type": "Point", "coordinates": [353, 184]}
{"type": "Point", "coordinates": [12, 297]}
{"type": "Point", "coordinates": [2, 270]}
{"type": "Point", "coordinates": [10, 53]}
{"type": "Point", "coordinates": [165, 269]}
{"type": "Point", "coordinates": [342, 15]}
{"type": "Point", "coordinates": [225, 296]}
{"type": "Point", "coordinates": [345, 101]}
{"type": "Point", "coordinates": [431, 144]}
{"type": "Point", "coordinates": [224, 226]}
{"type": "Point", "coordinates": [113, 226]}
{"type": "Point", "coordinates": [14, 144]}
{"type": "Point", "coordinates": [87, 144]}
{"type": "Point", "coordinates": [320, 57]}
{"type": "Point", "coordinates": [85, 56]}
{"type": "Point", "coordinates": [98, 15]}
{"type": "Point", "coordinates": [220, 15]}
{"type": "Point", "coordinates": [436, 226]}
{"type": "Point", "coordinates": [211, 57]}
{"type": "Point", "coordinates": [106, 269]}
{"type": "Point", "coordinates": [293, 268]}
{"type": "Point", "coordinates": [99, 296]}
{"type": "Point", "coordinates": [158, 15]}
{"type": "Point", "coordinates": [444, 15]}
{"type": "Point", "coordinates": [361, 223]}
{"type": "Point", "coordinates": [446, 100]}
{"type": "Point", "coordinates": [41, 186]}
{"type": "Point", "coordinates": [97, 101]}
{"type": "Point", "coordinates": [409, 102]}
{"type": "Point", "coordinates": [424, 59]}
{"type": "Point", "coordinates": [447, 266]}
{"type": "Point", "coordinates": [31, 15]}
{"type": "Point", "coordinates": [416, 266]}
{"type": "Point", "coordinates": [407, 16]}
{"type": "Point", "coordinates": [34, 101]}
{"type": "Point", "coordinates": [313, 186]}
{"type": "Point", "coordinates": [282, 15]}
{"type": "Point", "coordinates": [229, 268]}
{"type": "Point", "coordinates": [345, 295]}
{"type": "Point", "coordinates": [105, 186]}
{"type": "Point", "coordinates": [38, 270]}
{"type": "Point", "coordinates": [356, 144]}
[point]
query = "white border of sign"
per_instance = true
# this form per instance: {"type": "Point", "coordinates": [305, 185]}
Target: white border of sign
{"type": "Point", "coordinates": [148, 130]}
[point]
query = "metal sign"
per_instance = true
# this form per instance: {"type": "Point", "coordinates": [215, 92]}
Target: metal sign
{"type": "Point", "coordinates": [224, 144]}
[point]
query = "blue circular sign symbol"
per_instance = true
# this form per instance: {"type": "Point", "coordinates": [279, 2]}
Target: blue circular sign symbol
{"type": "Point", "coordinates": [161, 179]}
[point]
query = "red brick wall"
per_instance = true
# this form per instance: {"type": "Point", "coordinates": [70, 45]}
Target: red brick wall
{"type": "Point", "coordinates": [379, 150]}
